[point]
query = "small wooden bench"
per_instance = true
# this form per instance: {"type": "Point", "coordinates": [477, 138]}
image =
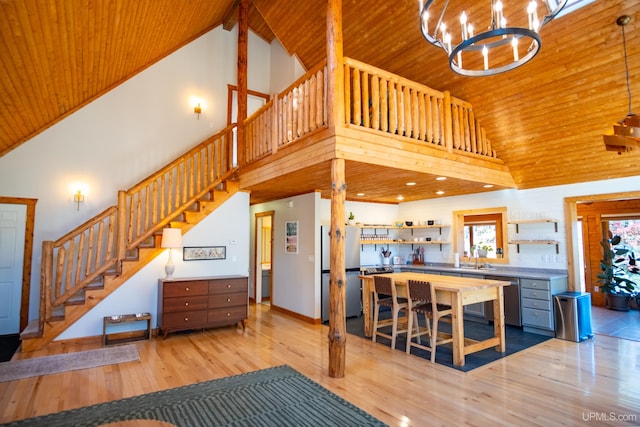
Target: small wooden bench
{"type": "Point", "coordinates": [107, 338]}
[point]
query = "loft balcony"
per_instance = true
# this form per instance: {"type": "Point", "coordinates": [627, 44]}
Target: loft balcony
{"type": "Point", "coordinates": [394, 131]}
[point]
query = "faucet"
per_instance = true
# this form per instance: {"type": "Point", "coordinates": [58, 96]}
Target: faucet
{"type": "Point", "coordinates": [475, 255]}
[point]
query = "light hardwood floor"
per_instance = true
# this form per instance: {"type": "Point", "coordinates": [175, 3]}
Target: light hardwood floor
{"type": "Point", "coordinates": [557, 383]}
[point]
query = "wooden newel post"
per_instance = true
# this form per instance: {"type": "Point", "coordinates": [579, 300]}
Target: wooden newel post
{"type": "Point", "coordinates": [337, 276]}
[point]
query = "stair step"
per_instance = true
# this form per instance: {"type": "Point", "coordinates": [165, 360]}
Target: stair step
{"type": "Point", "coordinates": [41, 332]}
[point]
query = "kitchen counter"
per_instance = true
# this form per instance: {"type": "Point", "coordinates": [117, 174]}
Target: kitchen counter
{"type": "Point", "coordinates": [523, 273]}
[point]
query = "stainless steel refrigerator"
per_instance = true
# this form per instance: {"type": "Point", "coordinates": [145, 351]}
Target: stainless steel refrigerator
{"type": "Point", "coordinates": [353, 304]}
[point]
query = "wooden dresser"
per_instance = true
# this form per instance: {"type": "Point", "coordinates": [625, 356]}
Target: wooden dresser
{"type": "Point", "coordinates": [201, 302]}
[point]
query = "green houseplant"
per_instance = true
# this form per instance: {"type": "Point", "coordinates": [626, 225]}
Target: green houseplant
{"type": "Point", "coordinates": [482, 249]}
{"type": "Point", "coordinates": [618, 266]}
{"type": "Point", "coordinates": [351, 218]}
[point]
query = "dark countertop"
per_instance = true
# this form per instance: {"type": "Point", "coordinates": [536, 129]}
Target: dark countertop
{"type": "Point", "coordinates": [523, 273]}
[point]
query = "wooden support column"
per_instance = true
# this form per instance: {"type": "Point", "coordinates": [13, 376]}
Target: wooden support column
{"type": "Point", "coordinates": [243, 42]}
{"type": "Point", "coordinates": [337, 275]}
{"type": "Point", "coordinates": [335, 116]}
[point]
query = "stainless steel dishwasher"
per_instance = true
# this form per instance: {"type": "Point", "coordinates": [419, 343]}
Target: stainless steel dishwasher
{"type": "Point", "coordinates": [511, 296]}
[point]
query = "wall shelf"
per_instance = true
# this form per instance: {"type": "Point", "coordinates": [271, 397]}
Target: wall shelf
{"type": "Point", "coordinates": [399, 241]}
{"type": "Point", "coordinates": [519, 222]}
{"type": "Point", "coordinates": [535, 242]}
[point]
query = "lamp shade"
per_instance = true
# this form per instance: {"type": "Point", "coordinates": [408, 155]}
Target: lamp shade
{"type": "Point", "coordinates": [171, 238]}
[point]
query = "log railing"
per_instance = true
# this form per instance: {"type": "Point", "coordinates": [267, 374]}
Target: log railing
{"type": "Point", "coordinates": [385, 102]}
{"type": "Point", "coordinates": [374, 99]}
{"type": "Point", "coordinates": [298, 111]}
{"type": "Point", "coordinates": [77, 259]}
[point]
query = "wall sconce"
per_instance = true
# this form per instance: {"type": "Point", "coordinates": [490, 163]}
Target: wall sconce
{"type": "Point", "coordinates": [171, 239]}
{"type": "Point", "coordinates": [78, 198]}
{"type": "Point", "coordinates": [197, 110]}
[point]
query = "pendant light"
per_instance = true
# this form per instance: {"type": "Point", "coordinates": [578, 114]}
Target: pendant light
{"type": "Point", "coordinates": [626, 133]}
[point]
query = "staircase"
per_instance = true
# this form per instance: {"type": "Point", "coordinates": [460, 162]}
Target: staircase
{"type": "Point", "coordinates": [85, 266]}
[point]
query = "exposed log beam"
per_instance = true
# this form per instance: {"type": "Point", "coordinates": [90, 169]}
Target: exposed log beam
{"type": "Point", "coordinates": [231, 16]}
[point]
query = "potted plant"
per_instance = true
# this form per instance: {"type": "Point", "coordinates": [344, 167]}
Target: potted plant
{"type": "Point", "coordinates": [482, 249]}
{"type": "Point", "coordinates": [351, 218]}
{"type": "Point", "coordinates": [617, 266]}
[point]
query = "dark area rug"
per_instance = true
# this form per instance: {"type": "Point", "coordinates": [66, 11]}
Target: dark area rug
{"type": "Point", "coordinates": [8, 346]}
{"type": "Point", "coordinates": [516, 340]}
{"type": "Point", "coordinates": [276, 396]}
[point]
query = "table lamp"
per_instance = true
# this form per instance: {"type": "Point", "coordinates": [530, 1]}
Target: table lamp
{"type": "Point", "coordinates": [171, 238]}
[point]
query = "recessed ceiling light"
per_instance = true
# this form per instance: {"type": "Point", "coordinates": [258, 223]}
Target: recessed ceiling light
{"type": "Point", "coordinates": [488, 185]}
{"type": "Point", "coordinates": [400, 198]}
{"type": "Point", "coordinates": [360, 194]}
{"type": "Point", "coordinates": [411, 183]}
{"type": "Point", "coordinates": [441, 178]}
{"type": "Point", "coordinates": [440, 192]}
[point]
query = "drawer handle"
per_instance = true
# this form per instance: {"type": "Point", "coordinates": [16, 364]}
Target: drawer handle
{"type": "Point", "coordinates": [228, 314]}
{"type": "Point", "coordinates": [228, 286]}
{"type": "Point", "coordinates": [186, 319]}
{"type": "Point", "coordinates": [186, 303]}
{"type": "Point", "coordinates": [186, 289]}
{"type": "Point", "coordinates": [228, 299]}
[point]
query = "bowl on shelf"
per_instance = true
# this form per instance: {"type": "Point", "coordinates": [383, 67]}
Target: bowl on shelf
{"type": "Point", "coordinates": [409, 223]}
{"type": "Point", "coordinates": [399, 224]}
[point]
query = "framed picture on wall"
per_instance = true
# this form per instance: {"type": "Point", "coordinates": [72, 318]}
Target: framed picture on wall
{"type": "Point", "coordinates": [291, 237]}
{"type": "Point", "coordinates": [204, 253]}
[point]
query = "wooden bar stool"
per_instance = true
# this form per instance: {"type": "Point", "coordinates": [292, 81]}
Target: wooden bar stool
{"type": "Point", "coordinates": [422, 300]}
{"type": "Point", "coordinates": [385, 295]}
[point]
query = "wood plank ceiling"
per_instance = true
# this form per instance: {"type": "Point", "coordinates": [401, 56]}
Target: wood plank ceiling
{"type": "Point", "coordinates": [545, 119]}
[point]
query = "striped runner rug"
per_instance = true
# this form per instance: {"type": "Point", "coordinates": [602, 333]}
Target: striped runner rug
{"type": "Point", "coordinates": [278, 396]}
{"type": "Point", "coordinates": [47, 365]}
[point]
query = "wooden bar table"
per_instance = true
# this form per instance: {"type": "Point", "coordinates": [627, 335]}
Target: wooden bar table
{"type": "Point", "coordinates": [454, 291]}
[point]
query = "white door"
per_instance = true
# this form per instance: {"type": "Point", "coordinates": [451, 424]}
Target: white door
{"type": "Point", "coordinates": [12, 227]}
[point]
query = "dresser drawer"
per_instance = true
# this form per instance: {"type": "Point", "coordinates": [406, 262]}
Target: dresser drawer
{"type": "Point", "coordinates": [185, 304]}
{"type": "Point", "coordinates": [535, 284]}
{"type": "Point", "coordinates": [539, 318]}
{"type": "Point", "coordinates": [535, 294]}
{"type": "Point", "coordinates": [227, 300]}
{"type": "Point", "coordinates": [180, 289]}
{"type": "Point", "coordinates": [230, 315]}
{"type": "Point", "coordinates": [537, 304]}
{"type": "Point", "coordinates": [184, 320]}
{"type": "Point", "coordinates": [223, 286]}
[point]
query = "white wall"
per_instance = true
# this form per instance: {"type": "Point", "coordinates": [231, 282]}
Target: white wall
{"type": "Point", "coordinates": [296, 277]}
{"type": "Point", "coordinates": [226, 226]}
{"type": "Point", "coordinates": [285, 69]}
{"type": "Point", "coordinates": [127, 134]}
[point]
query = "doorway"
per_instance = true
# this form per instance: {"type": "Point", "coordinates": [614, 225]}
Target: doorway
{"type": "Point", "coordinates": [263, 277]}
{"type": "Point", "coordinates": [585, 216]}
{"type": "Point", "coordinates": [16, 245]}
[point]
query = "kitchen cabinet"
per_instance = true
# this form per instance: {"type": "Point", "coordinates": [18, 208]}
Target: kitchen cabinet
{"type": "Point", "coordinates": [537, 308]}
{"type": "Point", "coordinates": [534, 240]}
{"type": "Point", "coordinates": [201, 302]}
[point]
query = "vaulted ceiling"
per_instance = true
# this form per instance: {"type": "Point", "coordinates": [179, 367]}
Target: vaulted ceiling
{"type": "Point", "coordinates": [545, 119]}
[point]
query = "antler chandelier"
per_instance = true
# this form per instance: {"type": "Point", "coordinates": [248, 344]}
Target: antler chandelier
{"type": "Point", "coordinates": [501, 47]}
{"type": "Point", "coordinates": [626, 134]}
